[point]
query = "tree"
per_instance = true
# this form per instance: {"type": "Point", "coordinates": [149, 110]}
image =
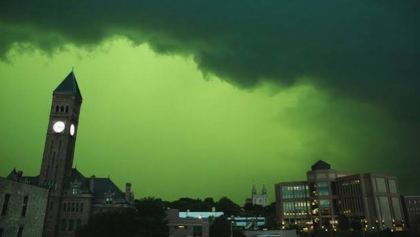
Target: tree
{"type": "Point", "coordinates": [147, 219]}
{"type": "Point", "coordinates": [228, 207]}
{"type": "Point", "coordinates": [221, 227]}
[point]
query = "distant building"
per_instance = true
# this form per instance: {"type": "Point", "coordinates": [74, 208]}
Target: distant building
{"type": "Point", "coordinates": [22, 210]}
{"type": "Point", "coordinates": [186, 224]}
{"type": "Point", "coordinates": [73, 198]}
{"type": "Point", "coordinates": [327, 193]}
{"type": "Point", "coordinates": [258, 198]}
{"type": "Point", "coordinates": [411, 206]}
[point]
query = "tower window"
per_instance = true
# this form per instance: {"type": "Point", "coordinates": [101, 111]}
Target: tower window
{"type": "Point", "coordinates": [62, 109]}
{"type": "Point", "coordinates": [67, 108]}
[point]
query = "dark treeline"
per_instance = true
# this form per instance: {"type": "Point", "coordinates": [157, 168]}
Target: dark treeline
{"type": "Point", "coordinates": [147, 219]}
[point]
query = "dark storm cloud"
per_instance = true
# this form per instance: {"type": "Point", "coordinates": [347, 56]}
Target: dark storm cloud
{"type": "Point", "coordinates": [367, 50]}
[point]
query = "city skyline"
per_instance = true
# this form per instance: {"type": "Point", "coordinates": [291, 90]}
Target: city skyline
{"type": "Point", "coordinates": [182, 105]}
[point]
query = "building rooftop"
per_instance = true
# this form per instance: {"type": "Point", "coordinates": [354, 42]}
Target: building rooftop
{"type": "Point", "coordinates": [321, 165]}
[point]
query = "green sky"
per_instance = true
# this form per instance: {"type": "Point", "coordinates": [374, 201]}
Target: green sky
{"type": "Point", "coordinates": [156, 121]}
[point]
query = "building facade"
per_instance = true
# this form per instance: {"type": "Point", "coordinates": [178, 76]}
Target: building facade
{"type": "Point", "coordinates": [22, 210]}
{"type": "Point", "coordinates": [73, 198]}
{"type": "Point", "coordinates": [411, 207]}
{"type": "Point", "coordinates": [327, 194]}
{"type": "Point", "coordinates": [258, 198]}
{"type": "Point", "coordinates": [189, 224]}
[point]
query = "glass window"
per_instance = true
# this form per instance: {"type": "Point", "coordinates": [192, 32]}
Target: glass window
{"type": "Point", "coordinates": [380, 183]}
{"type": "Point", "coordinates": [392, 186]}
{"type": "Point", "coordinates": [323, 189]}
{"type": "Point", "coordinates": [397, 209]}
{"type": "Point", "coordinates": [385, 210]}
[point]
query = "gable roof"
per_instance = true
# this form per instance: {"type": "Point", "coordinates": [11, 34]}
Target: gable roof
{"type": "Point", "coordinates": [69, 86]}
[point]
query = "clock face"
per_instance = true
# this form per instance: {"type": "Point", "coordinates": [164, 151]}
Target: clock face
{"type": "Point", "coordinates": [59, 126]}
{"type": "Point", "coordinates": [72, 129]}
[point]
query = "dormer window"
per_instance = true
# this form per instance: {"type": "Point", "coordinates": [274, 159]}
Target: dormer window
{"type": "Point", "coordinates": [75, 187]}
{"type": "Point", "coordinates": [109, 197]}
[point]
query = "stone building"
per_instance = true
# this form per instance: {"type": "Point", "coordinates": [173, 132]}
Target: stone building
{"type": "Point", "coordinates": [73, 198]}
{"type": "Point", "coordinates": [258, 198]}
{"type": "Point", "coordinates": [22, 210]}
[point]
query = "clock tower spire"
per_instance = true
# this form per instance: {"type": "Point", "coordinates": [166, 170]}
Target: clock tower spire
{"type": "Point", "coordinates": [58, 154]}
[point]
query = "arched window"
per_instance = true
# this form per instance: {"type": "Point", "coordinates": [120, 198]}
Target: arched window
{"type": "Point", "coordinates": [67, 108]}
{"type": "Point", "coordinates": [56, 108]}
{"type": "Point", "coordinates": [62, 109]}
{"type": "Point", "coordinates": [64, 206]}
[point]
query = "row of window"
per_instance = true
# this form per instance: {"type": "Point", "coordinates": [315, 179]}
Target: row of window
{"type": "Point", "coordinates": [70, 224]}
{"type": "Point", "coordinates": [6, 205]}
{"type": "Point", "coordinates": [294, 191]}
{"type": "Point", "coordinates": [62, 109]}
{"type": "Point", "coordinates": [19, 232]}
{"type": "Point", "coordinates": [73, 207]}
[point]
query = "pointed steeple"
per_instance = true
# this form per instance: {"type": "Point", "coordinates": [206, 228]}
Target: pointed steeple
{"type": "Point", "coordinates": [69, 86]}
{"type": "Point", "coordinates": [254, 189]}
{"type": "Point", "coordinates": [264, 190]}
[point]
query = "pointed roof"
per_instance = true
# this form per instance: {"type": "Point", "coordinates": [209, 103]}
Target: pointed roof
{"type": "Point", "coordinates": [321, 165]}
{"type": "Point", "coordinates": [69, 86]}
{"type": "Point", "coordinates": [264, 190]}
{"type": "Point", "coordinates": [254, 189]}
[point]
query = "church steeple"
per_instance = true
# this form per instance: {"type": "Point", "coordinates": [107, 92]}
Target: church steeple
{"type": "Point", "coordinates": [69, 86]}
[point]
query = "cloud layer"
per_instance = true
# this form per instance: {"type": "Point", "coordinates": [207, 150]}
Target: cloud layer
{"type": "Point", "coordinates": [368, 50]}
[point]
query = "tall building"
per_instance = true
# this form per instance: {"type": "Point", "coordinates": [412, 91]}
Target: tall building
{"type": "Point", "coordinates": [411, 207]}
{"type": "Point", "coordinates": [22, 210]}
{"type": "Point", "coordinates": [258, 198]}
{"type": "Point", "coordinates": [327, 194]}
{"type": "Point", "coordinates": [73, 198]}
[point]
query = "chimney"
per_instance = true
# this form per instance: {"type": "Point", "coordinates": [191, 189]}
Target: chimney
{"type": "Point", "coordinates": [92, 184]}
{"type": "Point", "coordinates": [128, 195]}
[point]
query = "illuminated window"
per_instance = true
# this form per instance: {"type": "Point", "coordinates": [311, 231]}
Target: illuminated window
{"type": "Point", "coordinates": [380, 183]}
{"type": "Point", "coordinates": [392, 186]}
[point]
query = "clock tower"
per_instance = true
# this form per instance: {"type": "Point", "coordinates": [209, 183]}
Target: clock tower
{"type": "Point", "coordinates": [57, 160]}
